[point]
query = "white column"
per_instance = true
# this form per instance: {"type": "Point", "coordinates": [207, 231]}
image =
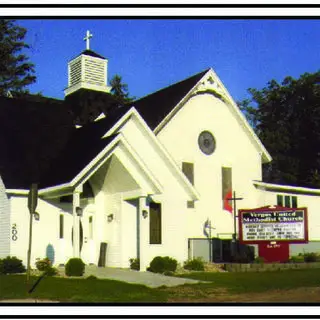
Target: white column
{"type": "Point", "coordinates": [144, 235]}
{"type": "Point", "coordinates": [76, 223]}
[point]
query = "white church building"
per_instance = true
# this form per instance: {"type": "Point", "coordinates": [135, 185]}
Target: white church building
{"type": "Point", "coordinates": [132, 181]}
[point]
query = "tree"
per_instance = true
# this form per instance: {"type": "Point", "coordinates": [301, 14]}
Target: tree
{"type": "Point", "coordinates": [120, 90]}
{"type": "Point", "coordinates": [286, 117]}
{"type": "Point", "coordinates": [16, 71]}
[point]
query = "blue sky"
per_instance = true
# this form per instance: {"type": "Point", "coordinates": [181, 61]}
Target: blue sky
{"type": "Point", "coordinates": [152, 54]}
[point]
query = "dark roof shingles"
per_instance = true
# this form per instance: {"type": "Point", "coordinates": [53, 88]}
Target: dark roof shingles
{"type": "Point", "coordinates": [155, 107]}
{"type": "Point", "coordinates": [39, 142]}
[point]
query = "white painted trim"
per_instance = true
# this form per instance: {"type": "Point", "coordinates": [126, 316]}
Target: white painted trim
{"type": "Point", "coordinates": [100, 116]}
{"type": "Point", "coordinates": [142, 164]}
{"type": "Point", "coordinates": [284, 188]}
{"type": "Point", "coordinates": [54, 188]}
{"type": "Point", "coordinates": [120, 139]}
{"type": "Point", "coordinates": [133, 112]}
{"type": "Point", "coordinates": [94, 161]}
{"type": "Point", "coordinates": [266, 156]}
{"type": "Point", "coordinates": [17, 191]}
{"type": "Point", "coordinates": [191, 189]}
{"type": "Point", "coordinates": [119, 123]}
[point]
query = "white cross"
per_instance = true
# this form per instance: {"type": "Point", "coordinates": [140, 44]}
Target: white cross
{"type": "Point", "coordinates": [87, 39]}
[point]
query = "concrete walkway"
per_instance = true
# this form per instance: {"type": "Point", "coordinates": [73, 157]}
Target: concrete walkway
{"type": "Point", "coordinates": [149, 279]}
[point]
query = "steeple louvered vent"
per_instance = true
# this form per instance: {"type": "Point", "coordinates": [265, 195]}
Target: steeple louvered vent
{"type": "Point", "coordinates": [94, 71]}
{"type": "Point", "coordinates": [88, 71]}
{"type": "Point", "coordinates": [75, 73]}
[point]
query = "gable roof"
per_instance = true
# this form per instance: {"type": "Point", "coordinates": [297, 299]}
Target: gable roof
{"type": "Point", "coordinates": [38, 133]}
{"type": "Point", "coordinates": [190, 87]}
{"type": "Point", "coordinates": [35, 132]}
{"type": "Point", "coordinates": [154, 107]}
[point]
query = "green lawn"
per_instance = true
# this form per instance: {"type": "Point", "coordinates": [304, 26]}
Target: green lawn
{"type": "Point", "coordinates": [239, 282]}
{"type": "Point", "coordinates": [94, 290]}
{"type": "Point", "coordinates": [78, 290]}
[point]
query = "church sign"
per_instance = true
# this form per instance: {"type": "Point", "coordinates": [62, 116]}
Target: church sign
{"type": "Point", "coordinates": [273, 224]}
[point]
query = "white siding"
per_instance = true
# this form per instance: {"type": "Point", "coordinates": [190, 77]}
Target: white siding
{"type": "Point", "coordinates": [5, 230]}
{"type": "Point", "coordinates": [45, 231]}
{"type": "Point", "coordinates": [233, 149]}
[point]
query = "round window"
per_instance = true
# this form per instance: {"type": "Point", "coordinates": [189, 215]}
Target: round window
{"type": "Point", "coordinates": [207, 143]}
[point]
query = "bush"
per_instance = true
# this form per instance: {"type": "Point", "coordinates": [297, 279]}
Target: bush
{"type": "Point", "coordinates": [296, 259]}
{"type": "Point", "coordinates": [162, 264]}
{"type": "Point", "coordinates": [91, 277]}
{"type": "Point", "coordinates": [51, 271]}
{"type": "Point", "coordinates": [310, 257]}
{"type": "Point", "coordinates": [196, 264]}
{"type": "Point", "coordinates": [74, 267]}
{"type": "Point", "coordinates": [11, 265]}
{"type": "Point", "coordinates": [134, 264]}
{"type": "Point", "coordinates": [44, 264]}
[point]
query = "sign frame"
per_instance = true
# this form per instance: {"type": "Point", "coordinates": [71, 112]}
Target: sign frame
{"type": "Point", "coordinates": [266, 209]}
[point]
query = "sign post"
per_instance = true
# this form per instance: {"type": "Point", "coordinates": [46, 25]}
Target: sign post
{"type": "Point", "coordinates": [32, 204]}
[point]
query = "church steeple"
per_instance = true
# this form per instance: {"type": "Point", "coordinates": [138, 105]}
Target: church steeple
{"type": "Point", "coordinates": [87, 71]}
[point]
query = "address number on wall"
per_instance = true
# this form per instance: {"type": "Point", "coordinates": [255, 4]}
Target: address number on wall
{"type": "Point", "coordinates": [14, 232]}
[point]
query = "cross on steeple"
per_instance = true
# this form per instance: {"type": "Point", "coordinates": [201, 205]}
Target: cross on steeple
{"type": "Point", "coordinates": [87, 39]}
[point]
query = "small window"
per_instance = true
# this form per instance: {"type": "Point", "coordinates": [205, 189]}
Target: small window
{"type": "Point", "coordinates": [155, 223]}
{"type": "Point", "coordinates": [61, 226]}
{"type": "Point", "coordinates": [90, 228]}
{"type": "Point", "coordinates": [294, 201]}
{"type": "Point", "coordinates": [188, 170]}
{"type": "Point", "coordinates": [280, 200]}
{"type": "Point", "coordinates": [287, 201]}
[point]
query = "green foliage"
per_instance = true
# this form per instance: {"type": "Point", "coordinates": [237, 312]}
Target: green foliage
{"type": "Point", "coordinates": [134, 264]}
{"type": "Point", "coordinates": [311, 257]}
{"type": "Point", "coordinates": [163, 264]}
{"type": "Point", "coordinates": [82, 290]}
{"type": "Point", "coordinates": [44, 264]}
{"type": "Point", "coordinates": [244, 282]}
{"type": "Point", "coordinates": [11, 265]}
{"type": "Point", "coordinates": [259, 260]}
{"type": "Point", "coordinates": [296, 259]}
{"type": "Point", "coordinates": [16, 71]}
{"type": "Point", "coordinates": [196, 264]}
{"type": "Point", "coordinates": [51, 271]}
{"type": "Point", "coordinates": [305, 257]}
{"type": "Point", "coordinates": [74, 267]}
{"type": "Point", "coordinates": [286, 117]}
{"type": "Point", "coordinates": [120, 90]}
{"type": "Point", "coordinates": [91, 277]}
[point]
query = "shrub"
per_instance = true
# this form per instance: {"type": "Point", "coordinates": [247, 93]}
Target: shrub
{"type": "Point", "coordinates": [310, 257]}
{"type": "Point", "coordinates": [51, 271]}
{"type": "Point", "coordinates": [162, 264]}
{"type": "Point", "coordinates": [134, 264]}
{"type": "Point", "coordinates": [296, 259]}
{"type": "Point", "coordinates": [11, 265]}
{"type": "Point", "coordinates": [196, 264]}
{"type": "Point", "coordinates": [91, 277]}
{"type": "Point", "coordinates": [75, 267]}
{"type": "Point", "coordinates": [44, 264]}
